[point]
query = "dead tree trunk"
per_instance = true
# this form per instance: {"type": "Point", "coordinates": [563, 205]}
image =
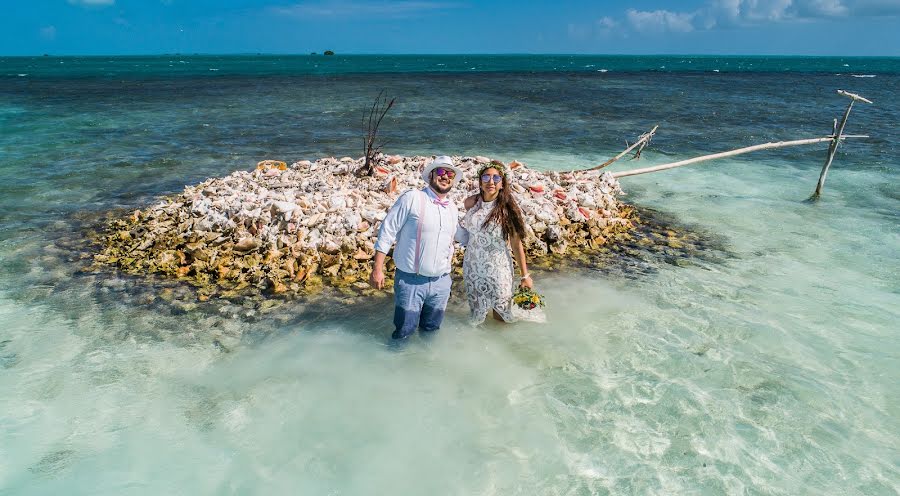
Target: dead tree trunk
{"type": "Point", "coordinates": [832, 149]}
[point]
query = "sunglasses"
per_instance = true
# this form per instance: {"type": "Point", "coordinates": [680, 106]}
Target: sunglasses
{"type": "Point", "coordinates": [486, 178]}
{"type": "Point", "coordinates": [440, 171]}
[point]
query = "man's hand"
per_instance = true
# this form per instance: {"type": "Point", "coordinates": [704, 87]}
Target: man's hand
{"type": "Point", "coordinates": [376, 278]}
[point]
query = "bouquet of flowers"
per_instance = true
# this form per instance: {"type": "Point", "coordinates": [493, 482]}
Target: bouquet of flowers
{"type": "Point", "coordinates": [527, 298]}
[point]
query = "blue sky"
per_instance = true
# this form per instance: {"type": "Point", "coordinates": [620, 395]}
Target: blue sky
{"type": "Point", "coordinates": [789, 27]}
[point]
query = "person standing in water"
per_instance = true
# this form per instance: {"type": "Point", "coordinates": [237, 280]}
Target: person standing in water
{"type": "Point", "coordinates": [423, 224]}
{"type": "Point", "coordinates": [495, 227]}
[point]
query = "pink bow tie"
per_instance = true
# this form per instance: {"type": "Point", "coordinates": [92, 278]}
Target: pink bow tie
{"type": "Point", "coordinates": [442, 203]}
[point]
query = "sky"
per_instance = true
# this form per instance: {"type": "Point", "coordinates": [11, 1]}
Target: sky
{"type": "Point", "coordinates": [720, 27]}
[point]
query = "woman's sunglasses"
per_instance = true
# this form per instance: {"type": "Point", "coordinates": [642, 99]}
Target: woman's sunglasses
{"type": "Point", "coordinates": [486, 178]}
{"type": "Point", "coordinates": [440, 171]}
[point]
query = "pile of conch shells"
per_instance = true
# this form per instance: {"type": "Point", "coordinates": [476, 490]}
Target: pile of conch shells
{"type": "Point", "coordinates": [296, 228]}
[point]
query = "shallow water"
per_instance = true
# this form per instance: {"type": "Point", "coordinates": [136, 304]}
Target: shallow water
{"type": "Point", "coordinates": [767, 366]}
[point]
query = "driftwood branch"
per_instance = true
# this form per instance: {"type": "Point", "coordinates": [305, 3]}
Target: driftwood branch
{"type": "Point", "coordinates": [371, 121]}
{"type": "Point", "coordinates": [836, 140]}
{"type": "Point", "coordinates": [739, 151]}
{"type": "Point", "coordinates": [853, 96]}
{"type": "Point", "coordinates": [642, 142]}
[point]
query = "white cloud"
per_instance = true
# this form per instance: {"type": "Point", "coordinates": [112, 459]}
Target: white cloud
{"type": "Point", "coordinates": [358, 8]}
{"type": "Point", "coordinates": [660, 21]}
{"type": "Point", "coordinates": [602, 28]}
{"type": "Point", "coordinates": [875, 8]}
{"type": "Point", "coordinates": [92, 3]}
{"type": "Point", "coordinates": [48, 33]}
{"type": "Point", "coordinates": [732, 12]}
{"type": "Point", "coordinates": [825, 8]}
{"type": "Point", "coordinates": [607, 23]}
{"type": "Point", "coordinates": [737, 13]}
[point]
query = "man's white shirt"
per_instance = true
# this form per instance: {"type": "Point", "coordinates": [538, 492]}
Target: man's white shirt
{"type": "Point", "coordinates": [439, 226]}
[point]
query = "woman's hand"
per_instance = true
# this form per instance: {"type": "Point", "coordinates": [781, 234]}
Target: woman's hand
{"type": "Point", "coordinates": [527, 283]}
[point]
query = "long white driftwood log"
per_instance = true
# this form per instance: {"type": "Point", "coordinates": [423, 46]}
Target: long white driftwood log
{"type": "Point", "coordinates": [643, 140]}
{"type": "Point", "coordinates": [739, 151]}
{"type": "Point", "coordinates": [832, 149]}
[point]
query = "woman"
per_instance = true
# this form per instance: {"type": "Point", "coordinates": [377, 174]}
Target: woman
{"type": "Point", "coordinates": [494, 225]}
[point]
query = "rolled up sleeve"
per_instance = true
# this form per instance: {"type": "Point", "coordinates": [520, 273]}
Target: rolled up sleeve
{"type": "Point", "coordinates": [393, 222]}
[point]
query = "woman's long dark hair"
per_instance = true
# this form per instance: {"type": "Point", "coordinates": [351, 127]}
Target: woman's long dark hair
{"type": "Point", "coordinates": [506, 211]}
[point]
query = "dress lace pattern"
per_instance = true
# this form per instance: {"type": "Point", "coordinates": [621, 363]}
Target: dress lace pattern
{"type": "Point", "coordinates": [487, 266]}
{"type": "Point", "coordinates": [488, 270]}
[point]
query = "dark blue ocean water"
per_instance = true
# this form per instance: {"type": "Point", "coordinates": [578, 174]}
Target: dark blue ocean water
{"type": "Point", "coordinates": [771, 369]}
{"type": "Point", "coordinates": [172, 65]}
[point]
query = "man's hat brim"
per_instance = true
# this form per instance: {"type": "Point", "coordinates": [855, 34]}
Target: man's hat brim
{"type": "Point", "coordinates": [444, 162]}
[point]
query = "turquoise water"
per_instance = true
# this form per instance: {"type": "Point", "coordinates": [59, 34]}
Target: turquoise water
{"type": "Point", "coordinates": [768, 365]}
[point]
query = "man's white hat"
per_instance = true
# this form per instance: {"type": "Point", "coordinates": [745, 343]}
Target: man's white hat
{"type": "Point", "coordinates": [441, 161]}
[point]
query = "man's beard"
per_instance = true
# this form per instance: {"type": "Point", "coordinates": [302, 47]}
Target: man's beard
{"type": "Point", "coordinates": [438, 189]}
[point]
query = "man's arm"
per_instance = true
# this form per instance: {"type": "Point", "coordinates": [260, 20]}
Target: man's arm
{"type": "Point", "coordinates": [387, 234]}
{"type": "Point", "coordinates": [376, 279]}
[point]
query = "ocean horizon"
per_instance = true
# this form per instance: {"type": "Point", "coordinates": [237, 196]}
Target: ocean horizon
{"type": "Point", "coordinates": [766, 362]}
{"type": "Point", "coordinates": [170, 65]}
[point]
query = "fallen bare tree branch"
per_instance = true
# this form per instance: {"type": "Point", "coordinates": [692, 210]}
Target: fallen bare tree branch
{"type": "Point", "coordinates": [642, 141]}
{"type": "Point", "coordinates": [739, 151]}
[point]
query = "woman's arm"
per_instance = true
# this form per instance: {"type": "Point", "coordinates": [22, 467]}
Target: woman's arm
{"type": "Point", "coordinates": [461, 236]}
{"type": "Point", "coordinates": [518, 250]}
{"type": "Point", "coordinates": [470, 201]}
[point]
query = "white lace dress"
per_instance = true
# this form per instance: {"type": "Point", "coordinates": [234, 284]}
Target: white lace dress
{"type": "Point", "coordinates": [488, 269]}
{"type": "Point", "coordinates": [487, 266]}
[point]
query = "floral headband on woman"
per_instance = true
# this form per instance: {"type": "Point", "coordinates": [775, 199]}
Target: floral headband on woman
{"type": "Point", "coordinates": [495, 164]}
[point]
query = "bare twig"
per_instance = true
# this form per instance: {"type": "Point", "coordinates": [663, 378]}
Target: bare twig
{"type": "Point", "coordinates": [642, 142]}
{"type": "Point", "coordinates": [371, 121]}
{"type": "Point", "coordinates": [853, 96]}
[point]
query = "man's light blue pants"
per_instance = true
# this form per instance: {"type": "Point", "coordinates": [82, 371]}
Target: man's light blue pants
{"type": "Point", "coordinates": [419, 301]}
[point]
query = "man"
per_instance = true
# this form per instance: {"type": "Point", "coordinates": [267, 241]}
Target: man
{"type": "Point", "coordinates": [423, 224]}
